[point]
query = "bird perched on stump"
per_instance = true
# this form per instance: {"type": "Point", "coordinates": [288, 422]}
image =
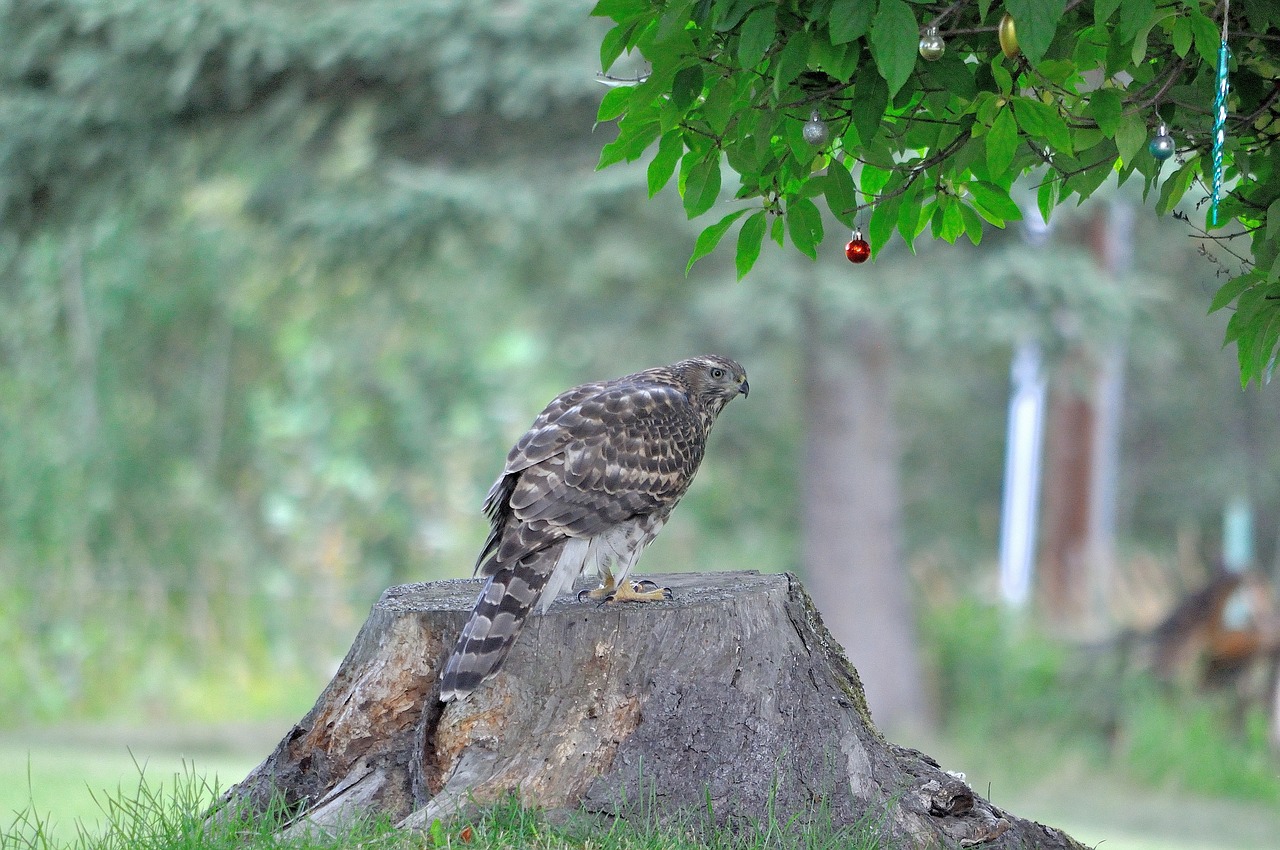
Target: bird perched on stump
{"type": "Point", "coordinates": [588, 487]}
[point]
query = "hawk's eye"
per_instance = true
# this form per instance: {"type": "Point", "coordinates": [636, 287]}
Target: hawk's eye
{"type": "Point", "coordinates": [717, 373]}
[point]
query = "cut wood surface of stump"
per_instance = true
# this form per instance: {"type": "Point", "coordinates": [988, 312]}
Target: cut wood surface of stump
{"type": "Point", "coordinates": [732, 698]}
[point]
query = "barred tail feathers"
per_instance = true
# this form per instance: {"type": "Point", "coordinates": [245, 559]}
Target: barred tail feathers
{"type": "Point", "coordinates": [496, 620]}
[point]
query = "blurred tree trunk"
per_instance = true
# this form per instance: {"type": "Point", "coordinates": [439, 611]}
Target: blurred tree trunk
{"type": "Point", "coordinates": [1083, 429]}
{"type": "Point", "coordinates": [852, 514]}
{"type": "Point", "coordinates": [1068, 476]}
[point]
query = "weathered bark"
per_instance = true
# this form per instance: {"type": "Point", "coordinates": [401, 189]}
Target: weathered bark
{"type": "Point", "coordinates": [733, 694]}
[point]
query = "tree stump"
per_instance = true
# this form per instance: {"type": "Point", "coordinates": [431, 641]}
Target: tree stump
{"type": "Point", "coordinates": [732, 699]}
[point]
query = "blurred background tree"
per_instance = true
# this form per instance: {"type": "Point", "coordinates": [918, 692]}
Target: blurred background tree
{"type": "Point", "coordinates": [283, 281]}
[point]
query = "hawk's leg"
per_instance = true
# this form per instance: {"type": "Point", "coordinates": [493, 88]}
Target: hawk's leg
{"type": "Point", "coordinates": [631, 591]}
{"type": "Point", "coordinates": [639, 591]}
{"type": "Point", "coordinates": [604, 591]}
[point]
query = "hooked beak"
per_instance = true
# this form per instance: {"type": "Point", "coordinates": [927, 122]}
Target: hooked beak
{"type": "Point", "coordinates": [744, 388]}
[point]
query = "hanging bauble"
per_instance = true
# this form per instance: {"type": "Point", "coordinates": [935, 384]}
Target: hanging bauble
{"type": "Point", "coordinates": [931, 45]}
{"type": "Point", "coordinates": [1162, 145]}
{"type": "Point", "coordinates": [815, 130]}
{"type": "Point", "coordinates": [1008, 36]}
{"type": "Point", "coordinates": [858, 250]}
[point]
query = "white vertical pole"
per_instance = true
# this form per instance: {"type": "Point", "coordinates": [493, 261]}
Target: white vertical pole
{"type": "Point", "coordinates": [1022, 463]}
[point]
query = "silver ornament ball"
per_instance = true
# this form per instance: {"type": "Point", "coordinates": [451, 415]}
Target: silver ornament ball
{"type": "Point", "coordinates": [815, 130]}
{"type": "Point", "coordinates": [931, 45]}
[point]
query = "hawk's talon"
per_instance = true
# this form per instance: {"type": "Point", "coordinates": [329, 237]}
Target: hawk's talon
{"type": "Point", "coordinates": [638, 591]}
{"type": "Point", "coordinates": [583, 594]}
{"type": "Point", "coordinates": [646, 586]}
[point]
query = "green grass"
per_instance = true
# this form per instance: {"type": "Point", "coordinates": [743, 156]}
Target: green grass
{"type": "Point", "coordinates": [169, 815]}
{"type": "Point", "coordinates": [62, 773]}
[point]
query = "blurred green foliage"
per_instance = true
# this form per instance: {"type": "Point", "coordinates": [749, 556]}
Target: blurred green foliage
{"type": "Point", "coordinates": [1027, 700]}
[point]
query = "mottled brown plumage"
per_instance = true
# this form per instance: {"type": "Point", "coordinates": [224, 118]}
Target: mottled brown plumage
{"type": "Point", "coordinates": [587, 487]}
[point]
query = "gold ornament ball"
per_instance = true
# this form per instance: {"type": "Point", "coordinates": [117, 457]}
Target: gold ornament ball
{"type": "Point", "coordinates": [1008, 36]}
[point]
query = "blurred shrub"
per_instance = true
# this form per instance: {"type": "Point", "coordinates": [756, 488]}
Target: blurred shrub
{"type": "Point", "coordinates": [1014, 692]}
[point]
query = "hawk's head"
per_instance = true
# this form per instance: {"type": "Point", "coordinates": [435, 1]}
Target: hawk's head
{"type": "Point", "coordinates": [713, 380]}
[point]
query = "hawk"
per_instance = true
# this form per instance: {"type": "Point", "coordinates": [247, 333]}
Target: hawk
{"type": "Point", "coordinates": [588, 487]}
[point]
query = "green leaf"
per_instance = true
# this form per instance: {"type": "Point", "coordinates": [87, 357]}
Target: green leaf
{"type": "Point", "coordinates": [1105, 107]}
{"type": "Point", "coordinates": [1047, 194]}
{"type": "Point", "coordinates": [686, 87]}
{"type": "Point", "coordinates": [873, 180]}
{"type": "Point", "coordinates": [757, 36]}
{"type": "Point", "coordinates": [1002, 77]}
{"type": "Point", "coordinates": [1086, 182]}
{"type": "Point", "coordinates": [804, 224]}
{"type": "Point", "coordinates": [792, 60]}
{"type": "Point", "coordinates": [1036, 20]}
{"type": "Point", "coordinates": [884, 218]}
{"type": "Point", "coordinates": [871, 98]}
{"type": "Point", "coordinates": [1131, 136]}
{"type": "Point", "coordinates": [1057, 71]}
{"type": "Point", "coordinates": [912, 217]}
{"type": "Point", "coordinates": [663, 165]}
{"type": "Point", "coordinates": [951, 73]}
{"type": "Point", "coordinates": [995, 200]}
{"type": "Point", "coordinates": [701, 184]}
{"type": "Point", "coordinates": [1261, 14]}
{"type": "Point", "coordinates": [728, 16]}
{"type": "Point", "coordinates": [1103, 10]}
{"type": "Point", "coordinates": [895, 40]}
{"type": "Point", "coordinates": [1117, 55]}
{"type": "Point", "coordinates": [674, 21]}
{"type": "Point", "coordinates": [1181, 35]}
{"type": "Point", "coordinates": [719, 105]}
{"type": "Point", "coordinates": [840, 61]}
{"type": "Point", "coordinates": [1176, 185]}
{"type": "Point", "coordinates": [850, 19]}
{"type": "Point", "coordinates": [614, 103]}
{"type": "Point", "coordinates": [1139, 52]}
{"type": "Point", "coordinates": [636, 131]}
{"type": "Point", "coordinates": [619, 9]}
{"type": "Point", "coordinates": [1273, 220]}
{"type": "Point", "coordinates": [972, 224]}
{"type": "Point", "coordinates": [615, 41]}
{"type": "Point", "coordinates": [1207, 37]}
{"type": "Point", "coordinates": [950, 226]}
{"type": "Point", "coordinates": [842, 199]}
{"type": "Point", "coordinates": [1002, 143]}
{"type": "Point", "coordinates": [708, 239]}
{"type": "Point", "coordinates": [1231, 290]}
{"type": "Point", "coordinates": [1043, 121]}
{"type": "Point", "coordinates": [1134, 15]}
{"type": "Point", "coordinates": [750, 240]}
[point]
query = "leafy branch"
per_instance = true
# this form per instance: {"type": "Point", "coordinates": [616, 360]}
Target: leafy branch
{"type": "Point", "coordinates": [735, 81]}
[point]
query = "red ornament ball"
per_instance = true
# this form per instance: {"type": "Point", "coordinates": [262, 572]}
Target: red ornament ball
{"type": "Point", "coordinates": [858, 250]}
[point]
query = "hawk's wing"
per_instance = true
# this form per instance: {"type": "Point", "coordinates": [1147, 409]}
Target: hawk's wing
{"type": "Point", "coordinates": [599, 454]}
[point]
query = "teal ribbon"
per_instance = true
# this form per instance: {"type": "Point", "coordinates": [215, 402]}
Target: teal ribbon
{"type": "Point", "coordinates": [1219, 123]}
